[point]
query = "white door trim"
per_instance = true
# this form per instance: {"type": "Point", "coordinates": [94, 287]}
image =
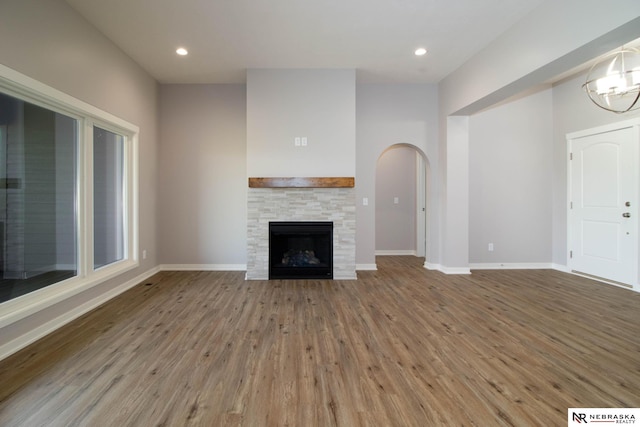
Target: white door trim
{"type": "Point", "coordinates": [421, 206]}
{"type": "Point", "coordinates": [603, 129]}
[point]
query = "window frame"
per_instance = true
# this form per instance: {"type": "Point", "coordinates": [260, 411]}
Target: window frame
{"type": "Point", "coordinates": [17, 85]}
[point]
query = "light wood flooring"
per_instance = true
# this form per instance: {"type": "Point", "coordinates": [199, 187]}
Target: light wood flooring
{"type": "Point", "coordinates": [402, 346]}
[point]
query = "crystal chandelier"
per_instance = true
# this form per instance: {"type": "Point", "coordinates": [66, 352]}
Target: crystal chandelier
{"type": "Point", "coordinates": [614, 82]}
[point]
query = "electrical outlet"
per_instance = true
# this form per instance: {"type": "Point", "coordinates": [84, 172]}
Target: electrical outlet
{"type": "Point", "coordinates": [304, 141]}
{"type": "Point", "coordinates": [296, 141]}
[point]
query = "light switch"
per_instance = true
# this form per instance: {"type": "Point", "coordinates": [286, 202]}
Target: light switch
{"type": "Point", "coordinates": [365, 201]}
{"type": "Point", "coordinates": [396, 200]}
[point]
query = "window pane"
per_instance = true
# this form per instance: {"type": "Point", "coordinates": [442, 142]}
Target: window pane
{"type": "Point", "coordinates": [38, 226]}
{"type": "Point", "coordinates": [108, 197]}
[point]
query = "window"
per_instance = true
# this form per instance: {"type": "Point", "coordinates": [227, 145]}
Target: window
{"type": "Point", "coordinates": [38, 233]}
{"type": "Point", "coordinates": [108, 203]}
{"type": "Point", "coordinates": [68, 196]}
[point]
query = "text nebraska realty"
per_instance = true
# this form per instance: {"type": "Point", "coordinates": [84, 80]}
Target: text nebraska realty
{"type": "Point", "coordinates": [612, 418]}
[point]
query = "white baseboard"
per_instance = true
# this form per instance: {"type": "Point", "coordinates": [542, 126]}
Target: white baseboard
{"type": "Point", "coordinates": [446, 270]}
{"type": "Point", "coordinates": [511, 266]}
{"type": "Point", "coordinates": [203, 267]}
{"type": "Point", "coordinates": [33, 335]}
{"type": "Point", "coordinates": [455, 270]}
{"type": "Point", "coordinates": [431, 266]}
{"type": "Point", "coordinates": [560, 267]}
{"type": "Point", "coordinates": [395, 252]}
{"type": "Point", "coordinates": [367, 267]}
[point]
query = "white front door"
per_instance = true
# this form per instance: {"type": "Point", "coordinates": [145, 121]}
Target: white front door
{"type": "Point", "coordinates": [603, 215]}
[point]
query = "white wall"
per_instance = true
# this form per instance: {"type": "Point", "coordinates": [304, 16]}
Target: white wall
{"type": "Point", "coordinates": [316, 104]}
{"type": "Point", "coordinates": [511, 181]}
{"type": "Point", "coordinates": [50, 42]}
{"type": "Point", "coordinates": [389, 114]}
{"type": "Point", "coordinates": [203, 197]}
{"type": "Point", "coordinates": [572, 112]}
{"type": "Point", "coordinates": [396, 177]}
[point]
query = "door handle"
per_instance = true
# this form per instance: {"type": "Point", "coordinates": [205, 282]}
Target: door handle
{"type": "Point", "coordinates": [626, 215]}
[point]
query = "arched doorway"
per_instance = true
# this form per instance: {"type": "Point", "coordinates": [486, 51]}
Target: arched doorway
{"type": "Point", "coordinates": [401, 201]}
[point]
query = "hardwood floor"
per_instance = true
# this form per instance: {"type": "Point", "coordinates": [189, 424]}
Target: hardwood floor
{"type": "Point", "coordinates": [402, 346]}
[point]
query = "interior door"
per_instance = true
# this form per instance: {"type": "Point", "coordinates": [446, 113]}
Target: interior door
{"type": "Point", "coordinates": [603, 217]}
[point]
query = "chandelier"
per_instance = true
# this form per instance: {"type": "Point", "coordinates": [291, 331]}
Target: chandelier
{"type": "Point", "coordinates": [614, 82]}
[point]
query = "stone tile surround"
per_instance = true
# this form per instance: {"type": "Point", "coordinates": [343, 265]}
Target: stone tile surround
{"type": "Point", "coordinates": [301, 204]}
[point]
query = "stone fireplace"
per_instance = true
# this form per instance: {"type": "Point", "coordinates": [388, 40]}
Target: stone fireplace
{"type": "Point", "coordinates": [304, 200]}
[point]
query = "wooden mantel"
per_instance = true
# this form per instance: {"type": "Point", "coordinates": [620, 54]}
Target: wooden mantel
{"type": "Point", "coordinates": [302, 182]}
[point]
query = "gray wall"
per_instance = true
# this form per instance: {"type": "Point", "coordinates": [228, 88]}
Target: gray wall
{"type": "Point", "coordinates": [396, 177]}
{"type": "Point", "coordinates": [518, 173]}
{"type": "Point", "coordinates": [316, 104]}
{"type": "Point", "coordinates": [50, 42]}
{"type": "Point", "coordinates": [202, 179]}
{"type": "Point", "coordinates": [554, 38]}
{"type": "Point", "coordinates": [510, 181]}
{"type": "Point", "coordinates": [386, 115]}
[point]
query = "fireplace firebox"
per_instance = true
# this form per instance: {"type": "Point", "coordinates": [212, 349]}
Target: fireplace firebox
{"type": "Point", "coordinates": [301, 250]}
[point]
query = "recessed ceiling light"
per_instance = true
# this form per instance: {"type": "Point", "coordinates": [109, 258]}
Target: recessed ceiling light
{"type": "Point", "coordinates": [420, 51]}
{"type": "Point", "coordinates": [182, 51]}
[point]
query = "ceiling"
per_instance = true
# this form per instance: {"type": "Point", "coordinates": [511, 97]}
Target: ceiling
{"type": "Point", "coordinates": [375, 37]}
